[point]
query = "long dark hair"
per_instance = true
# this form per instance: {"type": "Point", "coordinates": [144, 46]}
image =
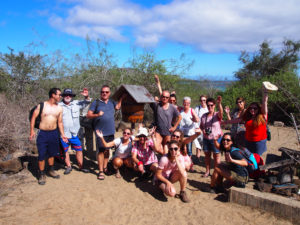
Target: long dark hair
{"type": "Point", "coordinates": [222, 149]}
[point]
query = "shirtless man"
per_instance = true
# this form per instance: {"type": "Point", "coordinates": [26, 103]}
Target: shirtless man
{"type": "Point", "coordinates": [48, 137]}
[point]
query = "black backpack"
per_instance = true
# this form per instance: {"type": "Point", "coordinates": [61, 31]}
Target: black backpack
{"type": "Point", "coordinates": [89, 123]}
{"type": "Point", "coordinates": [38, 118]}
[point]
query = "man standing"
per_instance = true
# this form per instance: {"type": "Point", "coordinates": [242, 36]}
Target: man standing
{"type": "Point", "coordinates": [48, 136]}
{"type": "Point", "coordinates": [103, 112]}
{"type": "Point", "coordinates": [71, 112]}
{"type": "Point", "coordinates": [164, 114]}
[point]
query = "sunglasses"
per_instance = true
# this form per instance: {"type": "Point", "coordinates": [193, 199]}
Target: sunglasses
{"type": "Point", "coordinates": [173, 149]}
{"type": "Point", "coordinates": [68, 95]}
{"type": "Point", "coordinates": [104, 92]}
{"type": "Point", "coordinates": [165, 97]}
{"type": "Point", "coordinates": [209, 105]}
{"type": "Point", "coordinates": [173, 135]}
{"type": "Point", "coordinates": [125, 133]}
{"type": "Point", "coordinates": [202, 100]}
{"type": "Point", "coordinates": [228, 140]}
{"type": "Point", "coordinates": [239, 102]}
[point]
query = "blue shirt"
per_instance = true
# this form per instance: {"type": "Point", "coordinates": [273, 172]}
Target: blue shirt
{"type": "Point", "coordinates": [106, 122]}
{"type": "Point", "coordinates": [71, 115]}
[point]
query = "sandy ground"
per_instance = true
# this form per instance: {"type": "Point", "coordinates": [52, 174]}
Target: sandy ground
{"type": "Point", "coordinates": [80, 198]}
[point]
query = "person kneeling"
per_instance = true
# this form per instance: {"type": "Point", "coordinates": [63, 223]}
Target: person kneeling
{"type": "Point", "coordinates": [235, 168]}
{"type": "Point", "coordinates": [171, 168]}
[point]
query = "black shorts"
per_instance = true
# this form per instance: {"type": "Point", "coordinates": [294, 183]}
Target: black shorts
{"type": "Point", "coordinates": [101, 148]}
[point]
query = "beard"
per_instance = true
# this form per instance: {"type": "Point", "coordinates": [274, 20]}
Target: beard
{"type": "Point", "coordinates": [67, 100]}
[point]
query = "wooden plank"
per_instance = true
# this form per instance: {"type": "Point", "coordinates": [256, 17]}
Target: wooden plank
{"type": "Point", "coordinates": [277, 164]}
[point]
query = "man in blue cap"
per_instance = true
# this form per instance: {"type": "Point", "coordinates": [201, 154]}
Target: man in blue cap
{"type": "Point", "coordinates": [71, 122]}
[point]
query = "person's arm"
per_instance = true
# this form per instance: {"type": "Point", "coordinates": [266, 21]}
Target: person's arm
{"type": "Point", "coordinates": [158, 84]}
{"type": "Point", "coordinates": [32, 122]}
{"type": "Point", "coordinates": [156, 146]}
{"type": "Point", "coordinates": [240, 162]}
{"type": "Point", "coordinates": [118, 105]}
{"type": "Point", "coordinates": [227, 111]}
{"type": "Point", "coordinates": [195, 117]}
{"type": "Point", "coordinates": [189, 139]}
{"type": "Point", "coordinates": [61, 126]}
{"type": "Point", "coordinates": [178, 119]}
{"type": "Point", "coordinates": [216, 143]}
{"type": "Point", "coordinates": [105, 144]}
{"type": "Point", "coordinates": [264, 106]}
{"type": "Point", "coordinates": [87, 99]}
{"type": "Point", "coordinates": [179, 165]}
{"type": "Point", "coordinates": [232, 121]}
{"type": "Point", "coordinates": [219, 102]}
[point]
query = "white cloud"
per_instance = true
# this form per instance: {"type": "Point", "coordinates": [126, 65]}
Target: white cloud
{"type": "Point", "coordinates": [211, 26]}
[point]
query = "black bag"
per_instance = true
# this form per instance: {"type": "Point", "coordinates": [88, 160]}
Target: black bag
{"type": "Point", "coordinates": [38, 118]}
{"type": "Point", "coordinates": [89, 123]}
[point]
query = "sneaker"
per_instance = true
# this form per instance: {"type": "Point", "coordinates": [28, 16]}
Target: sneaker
{"type": "Point", "coordinates": [42, 179]}
{"type": "Point", "coordinates": [183, 197]}
{"type": "Point", "coordinates": [68, 170]}
{"type": "Point", "coordinates": [84, 170]}
{"type": "Point", "coordinates": [52, 173]}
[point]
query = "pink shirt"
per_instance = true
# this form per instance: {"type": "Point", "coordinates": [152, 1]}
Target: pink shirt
{"type": "Point", "coordinates": [169, 167]}
{"type": "Point", "coordinates": [211, 122]}
{"type": "Point", "coordinates": [187, 161]}
{"type": "Point", "coordinates": [147, 156]}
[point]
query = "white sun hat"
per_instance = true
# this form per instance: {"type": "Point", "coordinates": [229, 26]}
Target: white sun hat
{"type": "Point", "coordinates": [142, 131]}
{"type": "Point", "coordinates": [269, 86]}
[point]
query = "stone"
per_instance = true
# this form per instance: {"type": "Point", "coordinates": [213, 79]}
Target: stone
{"type": "Point", "coordinates": [11, 166]}
{"type": "Point", "coordinates": [278, 124]}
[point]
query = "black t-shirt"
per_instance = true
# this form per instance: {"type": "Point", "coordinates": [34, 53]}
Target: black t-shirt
{"type": "Point", "coordinates": [240, 170]}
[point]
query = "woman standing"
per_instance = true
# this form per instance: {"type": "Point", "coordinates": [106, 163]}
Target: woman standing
{"type": "Point", "coordinates": [235, 169]}
{"type": "Point", "coordinates": [123, 150]}
{"type": "Point", "coordinates": [170, 170]}
{"type": "Point", "coordinates": [211, 128]}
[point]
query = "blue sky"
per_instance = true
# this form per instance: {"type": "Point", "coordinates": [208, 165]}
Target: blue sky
{"type": "Point", "coordinates": [212, 33]}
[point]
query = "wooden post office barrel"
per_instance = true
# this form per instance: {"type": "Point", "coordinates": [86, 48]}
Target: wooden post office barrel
{"type": "Point", "coordinates": [133, 112]}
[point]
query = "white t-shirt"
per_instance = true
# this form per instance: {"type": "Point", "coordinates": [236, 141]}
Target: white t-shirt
{"type": "Point", "coordinates": [199, 110]}
{"type": "Point", "coordinates": [123, 151]}
{"type": "Point", "coordinates": [187, 126]}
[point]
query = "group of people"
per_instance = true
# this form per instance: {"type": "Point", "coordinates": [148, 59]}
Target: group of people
{"type": "Point", "coordinates": [162, 152]}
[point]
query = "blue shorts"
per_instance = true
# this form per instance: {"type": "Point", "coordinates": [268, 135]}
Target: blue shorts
{"type": "Point", "coordinates": [48, 144]}
{"type": "Point", "coordinates": [258, 147]}
{"type": "Point", "coordinates": [209, 146]}
{"type": "Point", "coordinates": [101, 148]}
{"type": "Point", "coordinates": [74, 142]}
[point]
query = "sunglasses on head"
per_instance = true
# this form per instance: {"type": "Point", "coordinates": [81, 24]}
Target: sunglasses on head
{"type": "Point", "coordinates": [173, 149]}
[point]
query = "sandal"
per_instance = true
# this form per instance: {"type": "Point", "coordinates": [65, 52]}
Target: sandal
{"type": "Point", "coordinates": [205, 175]}
{"type": "Point", "coordinates": [101, 176]}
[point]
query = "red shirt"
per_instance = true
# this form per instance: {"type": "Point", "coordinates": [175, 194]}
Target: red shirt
{"type": "Point", "coordinates": [255, 134]}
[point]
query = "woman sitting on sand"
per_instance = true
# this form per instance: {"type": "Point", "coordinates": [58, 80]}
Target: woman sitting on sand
{"type": "Point", "coordinates": [143, 153]}
{"type": "Point", "coordinates": [235, 168]}
{"type": "Point", "coordinates": [171, 168]}
{"type": "Point", "coordinates": [183, 141]}
{"type": "Point", "coordinates": [255, 119]}
{"type": "Point", "coordinates": [123, 149]}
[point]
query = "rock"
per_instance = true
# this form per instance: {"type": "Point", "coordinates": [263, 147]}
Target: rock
{"type": "Point", "coordinates": [278, 124]}
{"type": "Point", "coordinates": [11, 166]}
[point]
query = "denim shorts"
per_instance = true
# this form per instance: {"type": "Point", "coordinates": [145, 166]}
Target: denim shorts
{"type": "Point", "coordinates": [209, 146]}
{"type": "Point", "coordinates": [258, 147]}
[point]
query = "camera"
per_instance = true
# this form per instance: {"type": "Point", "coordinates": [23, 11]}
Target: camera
{"type": "Point", "coordinates": [208, 130]}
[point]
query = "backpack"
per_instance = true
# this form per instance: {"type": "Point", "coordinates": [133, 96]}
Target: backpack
{"type": "Point", "coordinates": [89, 123]}
{"type": "Point", "coordinates": [38, 118]}
{"type": "Point", "coordinates": [250, 158]}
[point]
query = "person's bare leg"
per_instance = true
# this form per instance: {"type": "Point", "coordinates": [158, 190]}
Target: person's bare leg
{"type": "Point", "coordinates": [51, 161]}
{"type": "Point", "coordinates": [100, 161]}
{"type": "Point", "coordinates": [67, 159]}
{"type": "Point", "coordinates": [79, 158]}
{"type": "Point", "coordinates": [207, 163]}
{"type": "Point", "coordinates": [217, 159]}
{"type": "Point", "coordinates": [105, 161]}
{"type": "Point", "coordinates": [159, 140]}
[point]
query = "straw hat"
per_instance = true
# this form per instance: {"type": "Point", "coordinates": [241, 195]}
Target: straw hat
{"type": "Point", "coordinates": [269, 86]}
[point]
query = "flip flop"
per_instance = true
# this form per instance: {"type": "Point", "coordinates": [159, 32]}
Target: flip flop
{"type": "Point", "coordinates": [205, 175]}
{"type": "Point", "coordinates": [101, 176]}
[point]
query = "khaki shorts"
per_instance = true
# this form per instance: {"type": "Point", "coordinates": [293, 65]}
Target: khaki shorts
{"type": "Point", "coordinates": [238, 178]}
